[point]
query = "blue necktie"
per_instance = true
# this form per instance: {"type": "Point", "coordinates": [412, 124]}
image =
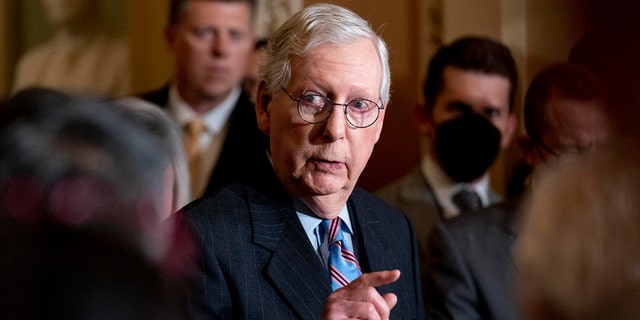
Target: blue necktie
{"type": "Point", "coordinates": [343, 265]}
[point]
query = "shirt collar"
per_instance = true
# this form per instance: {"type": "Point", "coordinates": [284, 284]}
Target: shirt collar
{"type": "Point", "coordinates": [214, 120]}
{"type": "Point", "coordinates": [310, 222]}
{"type": "Point", "coordinates": [444, 188]}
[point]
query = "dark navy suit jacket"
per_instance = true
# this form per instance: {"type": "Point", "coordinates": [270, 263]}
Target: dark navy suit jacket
{"type": "Point", "coordinates": [256, 261]}
{"type": "Point", "coordinates": [242, 156]}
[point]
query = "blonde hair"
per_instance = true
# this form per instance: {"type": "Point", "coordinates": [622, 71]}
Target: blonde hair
{"type": "Point", "coordinates": [577, 254]}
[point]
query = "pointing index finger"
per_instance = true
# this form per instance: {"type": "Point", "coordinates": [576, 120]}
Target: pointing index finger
{"type": "Point", "coordinates": [378, 278]}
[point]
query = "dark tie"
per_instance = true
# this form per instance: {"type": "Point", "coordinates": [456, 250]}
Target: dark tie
{"type": "Point", "coordinates": [467, 200]}
{"type": "Point", "coordinates": [343, 265]}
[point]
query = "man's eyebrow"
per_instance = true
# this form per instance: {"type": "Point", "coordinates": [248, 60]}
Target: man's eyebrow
{"type": "Point", "coordinates": [459, 105]}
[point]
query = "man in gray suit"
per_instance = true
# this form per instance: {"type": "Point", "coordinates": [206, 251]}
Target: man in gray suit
{"type": "Point", "coordinates": [470, 273]}
{"type": "Point", "coordinates": [263, 251]}
{"type": "Point", "coordinates": [469, 92]}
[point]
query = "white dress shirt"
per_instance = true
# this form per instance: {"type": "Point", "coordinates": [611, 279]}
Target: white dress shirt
{"type": "Point", "coordinates": [311, 224]}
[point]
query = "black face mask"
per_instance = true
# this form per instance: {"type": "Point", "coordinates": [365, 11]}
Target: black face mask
{"type": "Point", "coordinates": [467, 146]}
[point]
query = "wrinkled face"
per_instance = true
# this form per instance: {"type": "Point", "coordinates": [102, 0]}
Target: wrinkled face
{"type": "Point", "coordinates": [324, 158]}
{"type": "Point", "coordinates": [573, 127]}
{"type": "Point", "coordinates": [464, 91]}
{"type": "Point", "coordinates": [211, 43]}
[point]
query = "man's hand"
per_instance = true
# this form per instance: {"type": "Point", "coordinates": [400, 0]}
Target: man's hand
{"type": "Point", "coordinates": [360, 299]}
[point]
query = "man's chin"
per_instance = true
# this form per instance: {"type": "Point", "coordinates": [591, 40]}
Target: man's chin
{"type": "Point", "coordinates": [216, 91]}
{"type": "Point", "coordinates": [324, 186]}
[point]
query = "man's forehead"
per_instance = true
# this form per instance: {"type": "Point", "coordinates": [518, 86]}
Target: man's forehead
{"type": "Point", "coordinates": [193, 8]}
{"type": "Point", "coordinates": [475, 88]}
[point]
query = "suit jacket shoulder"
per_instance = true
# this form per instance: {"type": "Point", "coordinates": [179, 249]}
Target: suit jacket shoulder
{"type": "Point", "coordinates": [389, 243]}
{"type": "Point", "coordinates": [413, 196]}
{"type": "Point", "coordinates": [256, 261]}
{"type": "Point", "coordinates": [159, 97]}
{"type": "Point", "coordinates": [470, 272]}
{"type": "Point", "coordinates": [242, 157]}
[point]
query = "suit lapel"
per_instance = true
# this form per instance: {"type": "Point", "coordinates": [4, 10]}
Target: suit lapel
{"type": "Point", "coordinates": [510, 226]}
{"type": "Point", "coordinates": [374, 237]}
{"type": "Point", "coordinates": [294, 268]}
{"type": "Point", "coordinates": [375, 242]}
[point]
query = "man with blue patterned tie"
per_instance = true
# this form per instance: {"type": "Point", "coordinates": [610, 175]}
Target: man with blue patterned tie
{"type": "Point", "coordinates": [312, 245]}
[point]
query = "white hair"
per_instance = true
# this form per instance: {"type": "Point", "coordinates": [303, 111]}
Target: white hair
{"type": "Point", "coordinates": [315, 26]}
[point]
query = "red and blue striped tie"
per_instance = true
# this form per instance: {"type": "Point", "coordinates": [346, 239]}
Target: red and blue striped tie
{"type": "Point", "coordinates": [343, 265]}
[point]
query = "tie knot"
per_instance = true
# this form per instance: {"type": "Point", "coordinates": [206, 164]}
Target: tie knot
{"type": "Point", "coordinates": [467, 200]}
{"type": "Point", "coordinates": [195, 127]}
{"type": "Point", "coordinates": [193, 131]}
{"type": "Point", "coordinates": [331, 229]}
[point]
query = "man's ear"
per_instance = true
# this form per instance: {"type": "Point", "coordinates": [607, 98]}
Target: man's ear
{"type": "Point", "coordinates": [509, 132]}
{"type": "Point", "coordinates": [423, 121]}
{"type": "Point", "coordinates": [169, 35]}
{"type": "Point", "coordinates": [263, 100]}
{"type": "Point", "coordinates": [528, 149]}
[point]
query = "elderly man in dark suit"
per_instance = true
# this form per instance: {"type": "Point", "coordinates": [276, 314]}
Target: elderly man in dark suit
{"type": "Point", "coordinates": [211, 42]}
{"type": "Point", "coordinates": [313, 245]}
{"type": "Point", "coordinates": [470, 271]}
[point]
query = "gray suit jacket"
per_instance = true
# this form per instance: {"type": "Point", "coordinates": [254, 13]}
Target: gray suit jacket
{"type": "Point", "coordinates": [470, 273]}
{"type": "Point", "coordinates": [414, 196]}
{"type": "Point", "coordinates": [256, 261]}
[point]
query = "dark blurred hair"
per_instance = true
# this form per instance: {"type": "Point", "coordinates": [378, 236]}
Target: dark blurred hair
{"type": "Point", "coordinates": [567, 80]}
{"type": "Point", "coordinates": [80, 188]}
{"type": "Point", "coordinates": [77, 161]}
{"type": "Point", "coordinates": [177, 8]}
{"type": "Point", "coordinates": [472, 54]}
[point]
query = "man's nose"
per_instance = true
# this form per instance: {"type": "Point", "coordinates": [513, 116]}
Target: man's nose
{"type": "Point", "coordinates": [335, 125]}
{"type": "Point", "coordinates": [220, 45]}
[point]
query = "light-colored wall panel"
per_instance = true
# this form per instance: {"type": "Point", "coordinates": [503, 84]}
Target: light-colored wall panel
{"type": "Point", "coordinates": [152, 65]}
{"type": "Point", "coordinates": [7, 45]}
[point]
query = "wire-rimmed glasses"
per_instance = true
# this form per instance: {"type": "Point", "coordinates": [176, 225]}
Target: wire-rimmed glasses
{"type": "Point", "coordinates": [315, 108]}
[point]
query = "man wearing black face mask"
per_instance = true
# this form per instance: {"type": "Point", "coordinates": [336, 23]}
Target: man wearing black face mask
{"type": "Point", "coordinates": [469, 92]}
{"type": "Point", "coordinates": [470, 270]}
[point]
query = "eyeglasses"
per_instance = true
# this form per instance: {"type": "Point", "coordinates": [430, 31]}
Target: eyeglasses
{"type": "Point", "coordinates": [314, 108]}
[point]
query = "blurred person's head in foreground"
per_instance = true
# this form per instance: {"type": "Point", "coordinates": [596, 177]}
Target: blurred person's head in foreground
{"type": "Point", "coordinates": [81, 200]}
{"type": "Point", "coordinates": [160, 124]}
{"type": "Point", "coordinates": [577, 254]}
{"type": "Point", "coordinates": [565, 114]}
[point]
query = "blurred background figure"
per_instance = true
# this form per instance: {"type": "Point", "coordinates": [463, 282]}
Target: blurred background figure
{"type": "Point", "coordinates": [252, 76]}
{"type": "Point", "coordinates": [211, 42]}
{"type": "Point", "coordinates": [271, 14]}
{"type": "Point", "coordinates": [82, 195]}
{"type": "Point", "coordinates": [567, 112]}
{"type": "Point", "coordinates": [577, 253]}
{"type": "Point", "coordinates": [81, 57]}
{"type": "Point", "coordinates": [158, 123]}
{"type": "Point", "coordinates": [470, 273]}
{"type": "Point", "coordinates": [467, 119]}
